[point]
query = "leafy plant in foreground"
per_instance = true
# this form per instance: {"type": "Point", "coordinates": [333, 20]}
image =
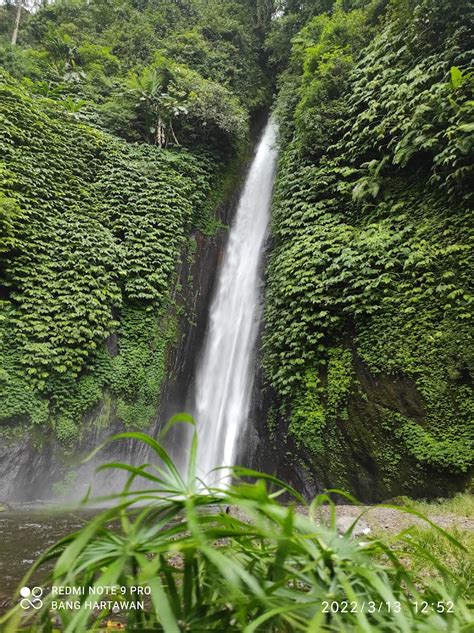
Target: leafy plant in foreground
{"type": "Point", "coordinates": [263, 567]}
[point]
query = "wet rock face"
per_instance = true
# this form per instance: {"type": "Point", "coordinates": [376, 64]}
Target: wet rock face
{"type": "Point", "coordinates": [273, 450]}
{"type": "Point", "coordinates": [197, 280]}
{"type": "Point", "coordinates": [365, 460]}
{"type": "Point", "coordinates": [34, 466]}
{"type": "Point", "coordinates": [377, 465]}
{"type": "Point", "coordinates": [28, 466]}
{"type": "Point", "coordinates": [13, 471]}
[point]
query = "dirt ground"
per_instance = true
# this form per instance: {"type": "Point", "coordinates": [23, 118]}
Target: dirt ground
{"type": "Point", "coordinates": [377, 520]}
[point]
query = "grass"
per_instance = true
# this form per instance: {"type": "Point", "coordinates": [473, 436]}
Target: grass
{"type": "Point", "coordinates": [270, 569]}
{"type": "Point", "coordinates": [424, 550]}
{"type": "Point", "coordinates": [461, 505]}
{"type": "Point", "coordinates": [421, 543]}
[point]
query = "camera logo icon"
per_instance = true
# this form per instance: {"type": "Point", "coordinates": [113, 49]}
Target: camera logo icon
{"type": "Point", "coordinates": [31, 598]}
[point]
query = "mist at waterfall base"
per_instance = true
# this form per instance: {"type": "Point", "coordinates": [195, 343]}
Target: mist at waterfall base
{"type": "Point", "coordinates": [225, 373]}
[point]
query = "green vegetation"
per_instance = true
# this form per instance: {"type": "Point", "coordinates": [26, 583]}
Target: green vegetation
{"type": "Point", "coordinates": [94, 226]}
{"type": "Point", "coordinates": [262, 567]}
{"type": "Point", "coordinates": [421, 542]}
{"type": "Point", "coordinates": [95, 238]}
{"type": "Point", "coordinates": [461, 505]}
{"type": "Point", "coordinates": [122, 126]}
{"type": "Point", "coordinates": [368, 320]}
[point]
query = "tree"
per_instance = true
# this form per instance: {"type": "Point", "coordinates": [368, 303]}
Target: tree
{"type": "Point", "coordinates": [19, 6]}
{"type": "Point", "coordinates": [174, 101]}
{"type": "Point", "coordinates": [160, 102]}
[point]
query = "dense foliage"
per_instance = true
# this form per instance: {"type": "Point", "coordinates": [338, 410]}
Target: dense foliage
{"type": "Point", "coordinates": [95, 230]}
{"type": "Point", "coordinates": [93, 226]}
{"type": "Point", "coordinates": [262, 567]}
{"type": "Point", "coordinates": [119, 119]}
{"type": "Point", "coordinates": [369, 338]}
{"type": "Point", "coordinates": [121, 122]}
{"type": "Point", "coordinates": [133, 67]}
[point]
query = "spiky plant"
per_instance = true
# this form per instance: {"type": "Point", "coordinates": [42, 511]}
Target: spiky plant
{"type": "Point", "coordinates": [266, 566]}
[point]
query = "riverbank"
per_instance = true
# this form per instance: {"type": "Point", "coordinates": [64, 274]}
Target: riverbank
{"type": "Point", "coordinates": [379, 520]}
{"type": "Point", "coordinates": [28, 531]}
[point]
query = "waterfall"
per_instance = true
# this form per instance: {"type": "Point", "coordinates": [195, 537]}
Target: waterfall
{"type": "Point", "coordinates": [225, 372]}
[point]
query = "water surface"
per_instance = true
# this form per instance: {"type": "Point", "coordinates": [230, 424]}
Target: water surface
{"type": "Point", "coordinates": [24, 535]}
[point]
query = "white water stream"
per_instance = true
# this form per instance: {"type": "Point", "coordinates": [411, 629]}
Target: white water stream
{"type": "Point", "coordinates": [226, 370]}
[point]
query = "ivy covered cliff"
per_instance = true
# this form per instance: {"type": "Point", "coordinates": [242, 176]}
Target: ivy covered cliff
{"type": "Point", "coordinates": [122, 127]}
{"type": "Point", "coordinates": [368, 343]}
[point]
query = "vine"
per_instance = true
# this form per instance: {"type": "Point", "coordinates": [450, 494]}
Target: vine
{"type": "Point", "coordinates": [371, 235]}
{"type": "Point", "coordinates": [96, 227]}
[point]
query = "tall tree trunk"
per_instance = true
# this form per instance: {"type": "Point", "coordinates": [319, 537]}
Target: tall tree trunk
{"type": "Point", "coordinates": [19, 4]}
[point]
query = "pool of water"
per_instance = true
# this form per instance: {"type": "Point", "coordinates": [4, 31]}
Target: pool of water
{"type": "Point", "coordinates": [24, 535]}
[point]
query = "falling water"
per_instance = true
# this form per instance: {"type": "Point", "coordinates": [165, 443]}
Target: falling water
{"type": "Point", "coordinates": [226, 373]}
